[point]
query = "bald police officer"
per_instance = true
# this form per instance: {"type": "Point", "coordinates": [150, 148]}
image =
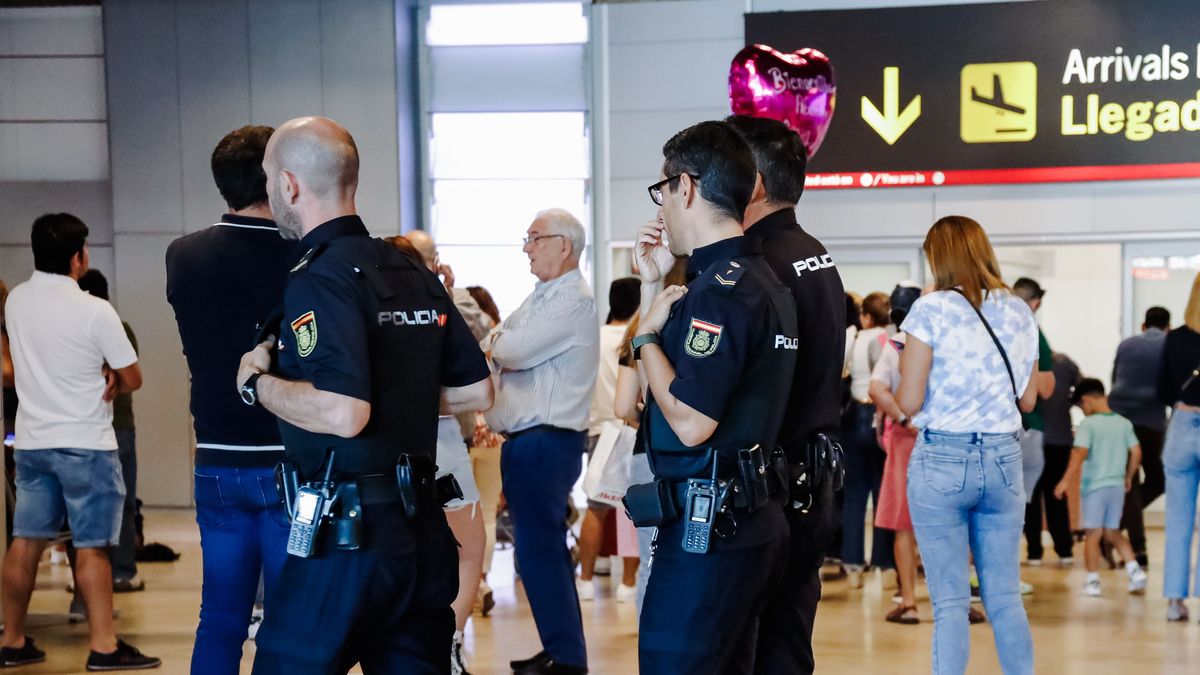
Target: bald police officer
{"type": "Point", "coordinates": [814, 406]}
{"type": "Point", "coordinates": [369, 350]}
{"type": "Point", "coordinates": [718, 355]}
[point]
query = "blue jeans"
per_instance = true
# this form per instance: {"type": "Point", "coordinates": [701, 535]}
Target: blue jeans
{"type": "Point", "coordinates": [243, 535]}
{"type": "Point", "coordinates": [538, 468]}
{"type": "Point", "coordinates": [1181, 463]}
{"type": "Point", "coordinates": [967, 490]}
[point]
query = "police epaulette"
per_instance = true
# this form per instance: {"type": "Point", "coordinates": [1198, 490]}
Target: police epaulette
{"type": "Point", "coordinates": [730, 276]}
{"type": "Point", "coordinates": [308, 258]}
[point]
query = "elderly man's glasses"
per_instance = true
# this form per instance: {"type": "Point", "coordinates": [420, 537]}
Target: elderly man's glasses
{"type": "Point", "coordinates": [656, 189]}
{"type": "Point", "coordinates": [538, 237]}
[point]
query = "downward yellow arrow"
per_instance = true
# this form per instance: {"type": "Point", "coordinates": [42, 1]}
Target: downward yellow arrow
{"type": "Point", "coordinates": [891, 123]}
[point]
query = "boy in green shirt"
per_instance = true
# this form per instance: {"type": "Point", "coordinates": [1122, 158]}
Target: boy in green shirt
{"type": "Point", "coordinates": [1107, 452]}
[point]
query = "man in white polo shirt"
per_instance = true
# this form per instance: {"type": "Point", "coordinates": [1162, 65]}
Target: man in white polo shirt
{"type": "Point", "coordinates": [71, 357]}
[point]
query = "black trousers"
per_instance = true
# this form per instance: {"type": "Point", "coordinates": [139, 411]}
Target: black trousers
{"type": "Point", "coordinates": [702, 613]}
{"type": "Point", "coordinates": [785, 633]}
{"type": "Point", "coordinates": [1058, 515]}
{"type": "Point", "coordinates": [1144, 491]}
{"type": "Point", "coordinates": [386, 607]}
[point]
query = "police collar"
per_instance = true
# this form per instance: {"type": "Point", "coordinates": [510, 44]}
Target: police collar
{"type": "Point", "coordinates": [773, 222]}
{"type": "Point", "coordinates": [719, 252]}
{"type": "Point", "coordinates": [248, 222]}
{"type": "Point", "coordinates": [342, 226]}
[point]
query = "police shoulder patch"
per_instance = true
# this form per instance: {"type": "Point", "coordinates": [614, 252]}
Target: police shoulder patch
{"type": "Point", "coordinates": [730, 275]}
{"type": "Point", "coordinates": [702, 338]}
{"type": "Point", "coordinates": [305, 330]}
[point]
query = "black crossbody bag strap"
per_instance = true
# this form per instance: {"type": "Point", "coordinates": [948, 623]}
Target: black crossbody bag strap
{"type": "Point", "coordinates": [1000, 347]}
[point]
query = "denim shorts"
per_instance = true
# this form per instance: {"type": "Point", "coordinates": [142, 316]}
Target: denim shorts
{"type": "Point", "coordinates": [454, 459]}
{"type": "Point", "coordinates": [84, 487]}
{"type": "Point", "coordinates": [1102, 508]}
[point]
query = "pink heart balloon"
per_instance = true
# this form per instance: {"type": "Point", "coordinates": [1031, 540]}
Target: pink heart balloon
{"type": "Point", "coordinates": [797, 89]}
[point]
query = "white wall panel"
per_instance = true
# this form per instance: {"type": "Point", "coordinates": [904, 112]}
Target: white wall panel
{"type": "Point", "coordinates": [656, 78]}
{"type": "Point", "coordinates": [59, 30]}
{"type": "Point", "coordinates": [284, 60]}
{"type": "Point", "coordinates": [637, 138]}
{"type": "Point", "coordinates": [214, 96]}
{"type": "Point", "coordinates": [52, 89]}
{"type": "Point", "coordinates": [23, 201]}
{"type": "Point", "coordinates": [497, 79]}
{"type": "Point", "coordinates": [72, 151]}
{"type": "Point", "coordinates": [665, 22]}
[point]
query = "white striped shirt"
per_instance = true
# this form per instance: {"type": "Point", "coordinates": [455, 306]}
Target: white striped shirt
{"type": "Point", "coordinates": [546, 355]}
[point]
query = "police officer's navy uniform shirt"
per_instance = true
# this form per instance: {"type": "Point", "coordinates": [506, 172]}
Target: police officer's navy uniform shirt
{"type": "Point", "coordinates": [805, 267]}
{"type": "Point", "coordinates": [221, 282]}
{"type": "Point", "coordinates": [334, 336]}
{"type": "Point", "coordinates": [711, 337]}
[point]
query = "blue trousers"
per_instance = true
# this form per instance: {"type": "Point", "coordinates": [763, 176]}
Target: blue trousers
{"type": "Point", "coordinates": [966, 495]}
{"type": "Point", "coordinates": [1181, 460]}
{"type": "Point", "coordinates": [243, 535]}
{"type": "Point", "coordinates": [538, 468]}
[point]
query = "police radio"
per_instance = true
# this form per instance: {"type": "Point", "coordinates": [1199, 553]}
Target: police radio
{"type": "Point", "coordinates": [311, 507]}
{"type": "Point", "coordinates": [700, 512]}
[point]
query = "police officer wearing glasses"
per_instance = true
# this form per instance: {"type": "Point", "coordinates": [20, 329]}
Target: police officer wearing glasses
{"type": "Point", "coordinates": [814, 406]}
{"type": "Point", "coordinates": [369, 350]}
{"type": "Point", "coordinates": [718, 355]}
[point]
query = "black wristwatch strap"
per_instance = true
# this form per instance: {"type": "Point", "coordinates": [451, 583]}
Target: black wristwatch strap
{"type": "Point", "coordinates": [640, 341]}
{"type": "Point", "coordinates": [251, 387]}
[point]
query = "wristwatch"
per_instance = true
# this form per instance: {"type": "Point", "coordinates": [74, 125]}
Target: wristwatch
{"type": "Point", "coordinates": [249, 390]}
{"type": "Point", "coordinates": [641, 340]}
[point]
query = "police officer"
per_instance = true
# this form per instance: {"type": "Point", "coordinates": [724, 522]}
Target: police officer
{"type": "Point", "coordinates": [813, 412]}
{"type": "Point", "coordinates": [718, 355]}
{"type": "Point", "coordinates": [369, 345]}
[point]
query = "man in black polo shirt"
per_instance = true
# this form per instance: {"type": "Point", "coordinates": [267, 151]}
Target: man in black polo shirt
{"type": "Point", "coordinates": [221, 281]}
{"type": "Point", "coordinates": [803, 264]}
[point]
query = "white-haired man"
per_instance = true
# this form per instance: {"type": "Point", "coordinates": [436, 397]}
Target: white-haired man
{"type": "Point", "coordinates": [547, 354]}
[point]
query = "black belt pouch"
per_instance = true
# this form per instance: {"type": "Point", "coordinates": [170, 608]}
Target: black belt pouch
{"type": "Point", "coordinates": [650, 504]}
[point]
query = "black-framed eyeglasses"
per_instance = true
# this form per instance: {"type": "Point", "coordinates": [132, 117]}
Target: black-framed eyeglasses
{"type": "Point", "coordinates": [538, 237]}
{"type": "Point", "coordinates": [656, 189]}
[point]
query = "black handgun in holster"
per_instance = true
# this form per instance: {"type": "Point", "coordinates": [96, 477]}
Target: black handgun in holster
{"type": "Point", "coordinates": [820, 461]}
{"type": "Point", "coordinates": [447, 489]}
{"type": "Point", "coordinates": [415, 479]}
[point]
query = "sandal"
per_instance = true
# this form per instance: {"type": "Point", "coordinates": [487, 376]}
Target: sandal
{"type": "Point", "coordinates": [906, 616]}
{"type": "Point", "coordinates": [975, 616]}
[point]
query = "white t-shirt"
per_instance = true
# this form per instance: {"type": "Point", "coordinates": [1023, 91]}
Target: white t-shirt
{"type": "Point", "coordinates": [61, 337]}
{"type": "Point", "coordinates": [606, 380]}
{"type": "Point", "coordinates": [867, 343]}
{"type": "Point", "coordinates": [887, 368]}
{"type": "Point", "coordinates": [969, 389]}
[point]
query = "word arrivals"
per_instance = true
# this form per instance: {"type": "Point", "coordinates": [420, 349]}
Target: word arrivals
{"type": "Point", "coordinates": [1133, 119]}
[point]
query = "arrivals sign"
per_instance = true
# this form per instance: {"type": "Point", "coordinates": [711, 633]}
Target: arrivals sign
{"type": "Point", "coordinates": [1018, 92]}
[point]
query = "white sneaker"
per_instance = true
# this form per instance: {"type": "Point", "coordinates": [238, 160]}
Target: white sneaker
{"type": "Point", "coordinates": [1137, 581]}
{"type": "Point", "coordinates": [1066, 562]}
{"type": "Point", "coordinates": [1092, 587]}
{"type": "Point", "coordinates": [586, 590]}
{"type": "Point", "coordinates": [458, 663]}
{"type": "Point", "coordinates": [1026, 589]}
{"type": "Point", "coordinates": [626, 594]}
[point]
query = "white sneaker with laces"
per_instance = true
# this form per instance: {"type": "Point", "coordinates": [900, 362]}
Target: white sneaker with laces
{"type": "Point", "coordinates": [626, 594]}
{"type": "Point", "coordinates": [1092, 587]}
{"type": "Point", "coordinates": [1137, 580]}
{"type": "Point", "coordinates": [585, 589]}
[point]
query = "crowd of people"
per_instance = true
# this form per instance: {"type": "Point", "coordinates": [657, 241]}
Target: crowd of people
{"type": "Point", "coordinates": [348, 478]}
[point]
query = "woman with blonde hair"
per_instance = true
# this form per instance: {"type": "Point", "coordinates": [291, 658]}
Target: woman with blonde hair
{"type": "Point", "coordinates": [1178, 388]}
{"type": "Point", "coordinates": [966, 375]}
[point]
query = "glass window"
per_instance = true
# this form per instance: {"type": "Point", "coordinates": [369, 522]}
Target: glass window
{"type": "Point", "coordinates": [509, 145]}
{"type": "Point", "coordinates": [497, 212]}
{"type": "Point", "coordinates": [507, 24]}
